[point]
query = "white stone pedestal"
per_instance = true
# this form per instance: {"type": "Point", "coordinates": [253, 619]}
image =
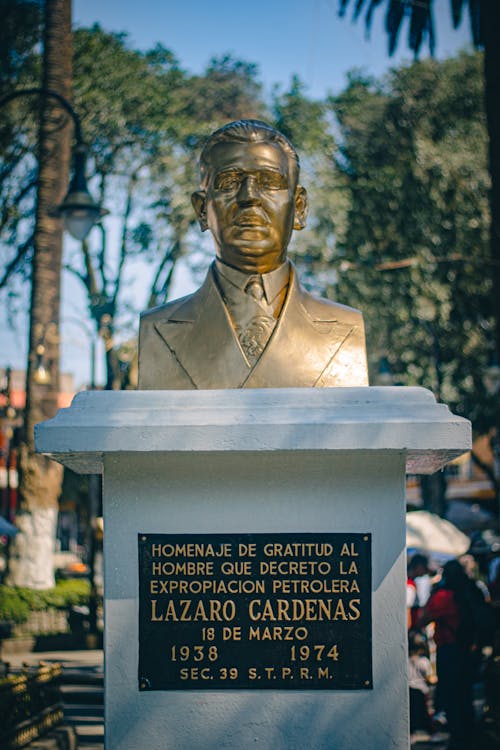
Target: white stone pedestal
{"type": "Point", "coordinates": [241, 461]}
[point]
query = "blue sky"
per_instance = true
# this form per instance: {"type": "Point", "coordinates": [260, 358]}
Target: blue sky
{"type": "Point", "coordinates": [283, 37]}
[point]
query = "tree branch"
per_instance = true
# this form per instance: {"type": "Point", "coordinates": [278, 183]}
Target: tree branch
{"type": "Point", "coordinates": [156, 292]}
{"type": "Point", "coordinates": [102, 252]}
{"type": "Point", "coordinates": [123, 244]}
{"type": "Point", "coordinates": [89, 279]}
{"type": "Point", "coordinates": [11, 162]}
{"type": "Point", "coordinates": [80, 276]}
{"type": "Point", "coordinates": [7, 209]}
{"type": "Point", "coordinates": [11, 267]}
{"type": "Point", "coordinates": [488, 470]}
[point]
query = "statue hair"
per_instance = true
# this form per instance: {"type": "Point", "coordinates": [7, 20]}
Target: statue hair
{"type": "Point", "coordinates": [247, 131]}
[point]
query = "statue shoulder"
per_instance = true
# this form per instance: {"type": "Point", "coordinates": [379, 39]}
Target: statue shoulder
{"type": "Point", "coordinates": [160, 312]}
{"type": "Point", "coordinates": [185, 308]}
{"type": "Point", "coordinates": [324, 309]}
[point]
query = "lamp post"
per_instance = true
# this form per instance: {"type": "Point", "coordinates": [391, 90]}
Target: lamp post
{"type": "Point", "coordinates": [78, 210]}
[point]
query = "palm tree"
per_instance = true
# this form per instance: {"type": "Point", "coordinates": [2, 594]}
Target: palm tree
{"type": "Point", "coordinates": [31, 559]}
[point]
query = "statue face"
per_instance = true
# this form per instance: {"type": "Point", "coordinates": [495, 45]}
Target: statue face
{"type": "Point", "coordinates": [251, 205]}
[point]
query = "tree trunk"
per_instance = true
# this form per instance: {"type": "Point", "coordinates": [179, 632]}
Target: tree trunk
{"type": "Point", "coordinates": [491, 20]}
{"type": "Point", "coordinates": [433, 490]}
{"type": "Point", "coordinates": [31, 559]}
{"type": "Point", "coordinates": [490, 10]}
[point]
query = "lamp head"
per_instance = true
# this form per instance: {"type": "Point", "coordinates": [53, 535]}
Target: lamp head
{"type": "Point", "coordinates": [78, 210]}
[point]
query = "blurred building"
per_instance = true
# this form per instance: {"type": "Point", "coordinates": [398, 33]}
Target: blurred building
{"type": "Point", "coordinates": [469, 499]}
{"type": "Point", "coordinates": [12, 403]}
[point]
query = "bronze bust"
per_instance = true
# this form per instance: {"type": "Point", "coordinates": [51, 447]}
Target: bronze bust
{"type": "Point", "coordinates": [251, 325]}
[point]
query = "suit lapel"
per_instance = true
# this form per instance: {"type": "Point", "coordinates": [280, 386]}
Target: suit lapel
{"type": "Point", "coordinates": [200, 336]}
{"type": "Point", "coordinates": [300, 349]}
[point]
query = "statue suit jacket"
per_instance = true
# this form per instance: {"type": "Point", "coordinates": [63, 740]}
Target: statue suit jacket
{"type": "Point", "coordinates": [190, 343]}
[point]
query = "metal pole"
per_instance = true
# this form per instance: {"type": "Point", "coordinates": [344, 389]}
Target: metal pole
{"type": "Point", "coordinates": [48, 92]}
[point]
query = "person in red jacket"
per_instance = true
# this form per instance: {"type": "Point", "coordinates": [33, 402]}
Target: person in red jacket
{"type": "Point", "coordinates": [449, 608]}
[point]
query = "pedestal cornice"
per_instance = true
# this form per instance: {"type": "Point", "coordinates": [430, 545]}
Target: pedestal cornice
{"type": "Point", "coordinates": [291, 419]}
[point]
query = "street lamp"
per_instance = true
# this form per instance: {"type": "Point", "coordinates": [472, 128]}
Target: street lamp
{"type": "Point", "coordinates": [78, 210]}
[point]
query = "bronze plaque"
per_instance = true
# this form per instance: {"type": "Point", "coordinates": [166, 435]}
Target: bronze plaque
{"type": "Point", "coordinates": [255, 611]}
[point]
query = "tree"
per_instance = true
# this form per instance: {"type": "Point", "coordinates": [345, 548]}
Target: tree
{"type": "Point", "coordinates": [308, 125]}
{"type": "Point", "coordinates": [145, 118]}
{"type": "Point", "coordinates": [31, 562]}
{"type": "Point", "coordinates": [20, 32]}
{"type": "Point", "coordinates": [484, 18]}
{"type": "Point", "coordinates": [125, 98]}
{"type": "Point", "coordinates": [415, 249]}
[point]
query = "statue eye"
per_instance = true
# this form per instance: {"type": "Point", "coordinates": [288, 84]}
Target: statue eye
{"type": "Point", "coordinates": [272, 181]}
{"type": "Point", "coordinates": [228, 181]}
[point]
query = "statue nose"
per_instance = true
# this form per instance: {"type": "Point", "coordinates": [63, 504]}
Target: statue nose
{"type": "Point", "coordinates": [249, 191]}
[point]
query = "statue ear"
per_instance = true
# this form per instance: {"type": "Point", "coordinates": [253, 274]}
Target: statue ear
{"type": "Point", "coordinates": [301, 208]}
{"type": "Point", "coordinates": [199, 201]}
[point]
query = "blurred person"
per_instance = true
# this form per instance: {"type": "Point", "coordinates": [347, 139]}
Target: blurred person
{"type": "Point", "coordinates": [494, 580]}
{"type": "Point", "coordinates": [420, 678]}
{"type": "Point", "coordinates": [451, 607]}
{"type": "Point", "coordinates": [471, 567]}
{"type": "Point", "coordinates": [494, 589]}
{"type": "Point", "coordinates": [418, 566]}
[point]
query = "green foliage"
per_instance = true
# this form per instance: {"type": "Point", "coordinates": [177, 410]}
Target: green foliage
{"type": "Point", "coordinates": [146, 118]}
{"type": "Point", "coordinates": [13, 607]}
{"type": "Point", "coordinates": [123, 97]}
{"type": "Point", "coordinates": [17, 603]}
{"type": "Point", "coordinates": [399, 213]}
{"type": "Point", "coordinates": [228, 90]}
{"type": "Point", "coordinates": [302, 120]}
{"type": "Point", "coordinates": [20, 31]}
{"type": "Point", "coordinates": [67, 593]}
{"type": "Point", "coordinates": [307, 124]}
{"type": "Point", "coordinates": [415, 255]}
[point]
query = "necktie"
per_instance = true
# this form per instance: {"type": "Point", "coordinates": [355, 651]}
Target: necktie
{"type": "Point", "coordinates": [254, 288]}
{"type": "Point", "coordinates": [254, 318]}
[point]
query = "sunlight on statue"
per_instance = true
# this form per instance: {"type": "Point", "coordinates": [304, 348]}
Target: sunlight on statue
{"type": "Point", "coordinates": [251, 325]}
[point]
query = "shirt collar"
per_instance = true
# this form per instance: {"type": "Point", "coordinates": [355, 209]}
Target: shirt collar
{"type": "Point", "coordinates": [272, 282]}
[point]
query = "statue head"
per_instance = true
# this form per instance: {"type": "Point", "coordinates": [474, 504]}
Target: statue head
{"type": "Point", "coordinates": [250, 198]}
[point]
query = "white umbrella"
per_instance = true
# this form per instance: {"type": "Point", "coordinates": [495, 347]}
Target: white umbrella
{"type": "Point", "coordinates": [430, 533]}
